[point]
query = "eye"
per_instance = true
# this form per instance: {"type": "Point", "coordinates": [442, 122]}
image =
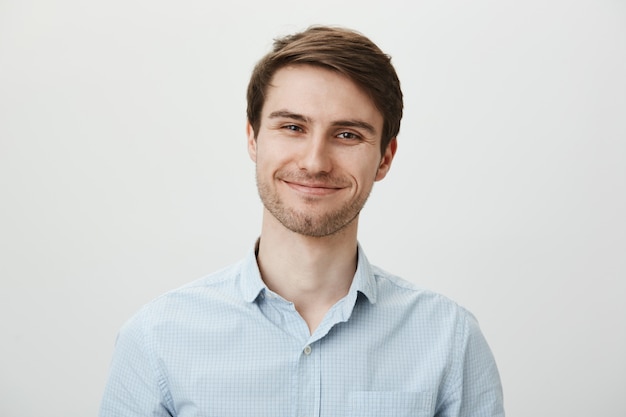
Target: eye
{"type": "Point", "coordinates": [293, 128]}
{"type": "Point", "coordinates": [348, 135]}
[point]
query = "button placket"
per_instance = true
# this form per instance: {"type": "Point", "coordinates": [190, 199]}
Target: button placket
{"type": "Point", "coordinates": [308, 401]}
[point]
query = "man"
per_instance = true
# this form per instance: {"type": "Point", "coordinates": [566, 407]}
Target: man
{"type": "Point", "coordinates": [305, 325]}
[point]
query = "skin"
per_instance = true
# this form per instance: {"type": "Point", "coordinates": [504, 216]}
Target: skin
{"type": "Point", "coordinates": [317, 155]}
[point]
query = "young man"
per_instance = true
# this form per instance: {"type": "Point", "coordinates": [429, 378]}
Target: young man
{"type": "Point", "coordinates": [305, 325]}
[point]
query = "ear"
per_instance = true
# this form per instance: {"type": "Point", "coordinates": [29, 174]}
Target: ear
{"type": "Point", "coordinates": [387, 158]}
{"type": "Point", "coordinates": [251, 141]}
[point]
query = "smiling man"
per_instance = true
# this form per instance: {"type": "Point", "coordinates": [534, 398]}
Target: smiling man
{"type": "Point", "coordinates": [304, 325]}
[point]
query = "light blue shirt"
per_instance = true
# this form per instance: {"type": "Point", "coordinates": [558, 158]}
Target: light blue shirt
{"type": "Point", "coordinates": [227, 346]}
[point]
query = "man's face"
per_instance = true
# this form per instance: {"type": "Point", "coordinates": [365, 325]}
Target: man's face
{"type": "Point", "coordinates": [317, 151]}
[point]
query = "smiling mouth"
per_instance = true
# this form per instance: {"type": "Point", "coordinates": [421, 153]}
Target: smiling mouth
{"type": "Point", "coordinates": [314, 189]}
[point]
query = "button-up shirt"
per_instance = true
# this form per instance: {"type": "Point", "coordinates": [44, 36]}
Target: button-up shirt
{"type": "Point", "coordinates": [225, 345]}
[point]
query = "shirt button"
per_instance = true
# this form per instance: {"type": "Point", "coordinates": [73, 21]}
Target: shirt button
{"type": "Point", "coordinates": [307, 350]}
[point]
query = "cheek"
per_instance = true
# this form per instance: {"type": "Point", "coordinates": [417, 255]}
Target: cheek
{"type": "Point", "coordinates": [268, 162]}
{"type": "Point", "coordinates": [369, 170]}
{"type": "Point", "coordinates": [365, 179]}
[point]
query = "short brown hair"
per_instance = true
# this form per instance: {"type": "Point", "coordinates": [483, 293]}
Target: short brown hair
{"type": "Point", "coordinates": [343, 50]}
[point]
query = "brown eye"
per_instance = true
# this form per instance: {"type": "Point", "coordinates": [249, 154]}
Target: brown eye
{"type": "Point", "coordinates": [348, 135]}
{"type": "Point", "coordinates": [292, 127]}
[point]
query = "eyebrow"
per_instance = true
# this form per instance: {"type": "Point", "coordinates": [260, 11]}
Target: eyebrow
{"type": "Point", "coordinates": [356, 123]}
{"type": "Point", "coordinates": [339, 123]}
{"type": "Point", "coordinates": [288, 115]}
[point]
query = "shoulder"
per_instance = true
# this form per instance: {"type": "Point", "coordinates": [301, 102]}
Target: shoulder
{"type": "Point", "coordinates": [191, 302]}
{"type": "Point", "coordinates": [420, 307]}
{"type": "Point", "coordinates": [392, 288]}
{"type": "Point", "coordinates": [443, 334]}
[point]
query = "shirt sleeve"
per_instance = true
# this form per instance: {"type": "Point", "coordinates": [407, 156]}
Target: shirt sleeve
{"type": "Point", "coordinates": [477, 390]}
{"type": "Point", "coordinates": [134, 387]}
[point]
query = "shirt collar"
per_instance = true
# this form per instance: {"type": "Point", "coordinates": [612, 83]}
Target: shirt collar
{"type": "Point", "coordinates": [252, 284]}
{"type": "Point", "coordinates": [364, 280]}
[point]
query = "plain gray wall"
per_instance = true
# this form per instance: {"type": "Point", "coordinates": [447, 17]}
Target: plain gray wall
{"type": "Point", "coordinates": [124, 173]}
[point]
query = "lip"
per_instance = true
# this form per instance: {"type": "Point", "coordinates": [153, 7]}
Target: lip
{"type": "Point", "coordinates": [316, 189]}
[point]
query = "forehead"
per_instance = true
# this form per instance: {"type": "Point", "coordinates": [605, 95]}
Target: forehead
{"type": "Point", "coordinates": [319, 93]}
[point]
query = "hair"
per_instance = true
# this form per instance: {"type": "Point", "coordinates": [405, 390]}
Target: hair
{"type": "Point", "coordinates": [339, 49]}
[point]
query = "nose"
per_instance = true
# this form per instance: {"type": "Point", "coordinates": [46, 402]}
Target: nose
{"type": "Point", "coordinates": [316, 155]}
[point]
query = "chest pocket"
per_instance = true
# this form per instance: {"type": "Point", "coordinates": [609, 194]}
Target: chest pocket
{"type": "Point", "coordinates": [391, 404]}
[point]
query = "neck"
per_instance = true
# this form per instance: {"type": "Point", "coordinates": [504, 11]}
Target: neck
{"type": "Point", "coordinates": [312, 272]}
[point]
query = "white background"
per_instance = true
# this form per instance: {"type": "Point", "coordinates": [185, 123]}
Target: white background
{"type": "Point", "coordinates": [124, 173]}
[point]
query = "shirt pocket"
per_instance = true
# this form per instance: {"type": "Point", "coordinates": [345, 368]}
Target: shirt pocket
{"type": "Point", "coordinates": [391, 404]}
